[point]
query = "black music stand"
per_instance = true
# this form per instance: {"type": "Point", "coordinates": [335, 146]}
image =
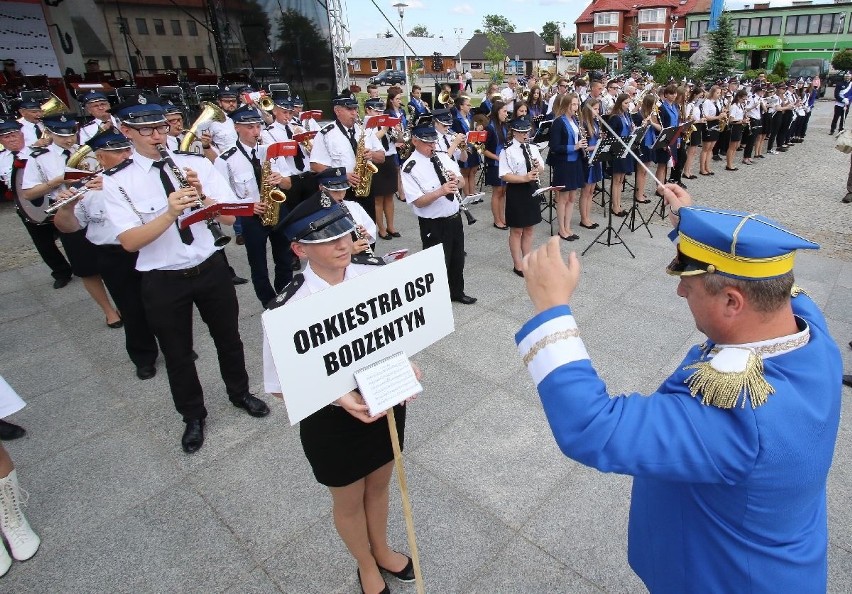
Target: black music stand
{"type": "Point", "coordinates": [548, 205]}
{"type": "Point", "coordinates": [667, 138]}
{"type": "Point", "coordinates": [608, 149]}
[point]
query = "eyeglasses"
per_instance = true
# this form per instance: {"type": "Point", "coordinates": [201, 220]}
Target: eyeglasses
{"type": "Point", "coordinates": [149, 130]}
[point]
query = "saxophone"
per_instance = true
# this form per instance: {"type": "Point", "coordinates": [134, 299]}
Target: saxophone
{"type": "Point", "coordinates": [364, 168]}
{"type": "Point", "coordinates": [270, 196]}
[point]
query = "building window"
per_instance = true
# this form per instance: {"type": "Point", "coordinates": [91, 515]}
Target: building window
{"type": "Point", "coordinates": [141, 26]}
{"type": "Point", "coordinates": [813, 24]}
{"type": "Point", "coordinates": [603, 19]}
{"type": "Point", "coordinates": [192, 28]}
{"type": "Point", "coordinates": [651, 35]}
{"type": "Point", "coordinates": [697, 29]}
{"type": "Point", "coordinates": [587, 39]}
{"type": "Point", "coordinates": [176, 28]}
{"type": "Point", "coordinates": [356, 65]}
{"type": "Point", "coordinates": [168, 64]}
{"type": "Point", "coordinates": [159, 27]}
{"type": "Point", "coordinates": [150, 63]}
{"type": "Point", "coordinates": [606, 37]}
{"type": "Point", "coordinates": [123, 27]}
{"type": "Point", "coordinates": [388, 64]}
{"type": "Point", "coordinates": [374, 65]}
{"type": "Point", "coordinates": [184, 63]}
{"type": "Point", "coordinates": [677, 34]}
{"type": "Point", "coordinates": [134, 64]}
{"type": "Point", "coordinates": [199, 62]}
{"type": "Point", "coordinates": [652, 15]}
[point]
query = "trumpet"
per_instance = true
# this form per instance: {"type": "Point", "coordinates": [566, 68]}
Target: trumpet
{"type": "Point", "coordinates": [77, 157]}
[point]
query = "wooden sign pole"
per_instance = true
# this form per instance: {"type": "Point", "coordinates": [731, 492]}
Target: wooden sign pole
{"type": "Point", "coordinates": [406, 504]}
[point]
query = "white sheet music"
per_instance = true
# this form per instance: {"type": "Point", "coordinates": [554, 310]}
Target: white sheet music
{"type": "Point", "coordinates": [386, 383]}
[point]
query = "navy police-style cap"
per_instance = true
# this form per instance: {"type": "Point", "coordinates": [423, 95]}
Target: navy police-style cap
{"type": "Point", "coordinates": [297, 102]}
{"type": "Point", "coordinates": [345, 100]}
{"type": "Point", "coordinates": [91, 97]}
{"type": "Point", "coordinates": [140, 111]}
{"type": "Point", "coordinates": [333, 178]}
{"type": "Point", "coordinates": [444, 116]}
{"type": "Point", "coordinates": [282, 100]}
{"type": "Point", "coordinates": [29, 104]}
{"type": "Point", "coordinates": [9, 124]}
{"type": "Point", "coordinates": [424, 130]}
{"type": "Point", "coordinates": [736, 244]}
{"type": "Point", "coordinates": [318, 219]}
{"type": "Point", "coordinates": [520, 125]}
{"type": "Point", "coordinates": [62, 124]}
{"type": "Point", "coordinates": [246, 114]}
{"type": "Point", "coordinates": [226, 94]}
{"type": "Point", "coordinates": [169, 107]}
{"type": "Point", "coordinates": [109, 140]}
{"type": "Point", "coordinates": [375, 104]}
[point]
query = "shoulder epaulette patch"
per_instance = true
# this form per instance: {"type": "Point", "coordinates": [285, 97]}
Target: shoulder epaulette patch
{"type": "Point", "coordinates": [796, 290]}
{"type": "Point", "coordinates": [327, 128]}
{"type": "Point", "coordinates": [227, 154]}
{"type": "Point", "coordinates": [118, 167]}
{"type": "Point", "coordinates": [732, 376]}
{"type": "Point", "coordinates": [38, 152]}
{"type": "Point", "coordinates": [409, 166]}
{"type": "Point", "coordinates": [509, 143]}
{"type": "Point", "coordinates": [368, 260]}
{"type": "Point", "coordinates": [190, 153]}
{"type": "Point", "coordinates": [288, 291]}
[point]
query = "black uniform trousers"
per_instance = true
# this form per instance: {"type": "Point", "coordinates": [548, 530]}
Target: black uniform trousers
{"type": "Point", "coordinates": [449, 232]}
{"type": "Point", "coordinates": [168, 296]}
{"type": "Point", "coordinates": [44, 239]}
{"type": "Point", "coordinates": [303, 186]}
{"type": "Point", "coordinates": [838, 118]}
{"type": "Point", "coordinates": [721, 146]}
{"type": "Point", "coordinates": [256, 235]}
{"type": "Point", "coordinates": [774, 129]}
{"type": "Point", "coordinates": [784, 133]}
{"type": "Point", "coordinates": [124, 282]}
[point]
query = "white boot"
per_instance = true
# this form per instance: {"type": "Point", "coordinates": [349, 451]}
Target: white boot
{"type": "Point", "coordinates": [22, 540]}
{"type": "Point", "coordinates": [5, 560]}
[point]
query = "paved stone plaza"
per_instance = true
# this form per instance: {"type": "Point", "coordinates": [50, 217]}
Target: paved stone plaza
{"type": "Point", "coordinates": [498, 509]}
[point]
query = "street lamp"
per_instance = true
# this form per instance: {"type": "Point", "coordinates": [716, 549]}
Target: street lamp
{"type": "Point", "coordinates": [459, 32]}
{"type": "Point", "coordinates": [401, 6]}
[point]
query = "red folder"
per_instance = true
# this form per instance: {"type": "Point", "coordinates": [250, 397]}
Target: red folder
{"type": "Point", "coordinates": [311, 114]}
{"type": "Point", "coordinates": [477, 136]}
{"type": "Point", "coordinates": [235, 209]}
{"type": "Point", "coordinates": [382, 120]}
{"type": "Point", "coordinates": [303, 136]}
{"type": "Point", "coordinates": [287, 148]}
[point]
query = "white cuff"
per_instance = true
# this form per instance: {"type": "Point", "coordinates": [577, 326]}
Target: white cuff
{"type": "Point", "coordinates": [551, 345]}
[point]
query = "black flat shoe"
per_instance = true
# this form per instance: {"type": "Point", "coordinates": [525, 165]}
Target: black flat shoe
{"type": "Point", "coordinates": [496, 226]}
{"type": "Point", "coordinates": [386, 236]}
{"type": "Point", "coordinates": [10, 431]}
{"type": "Point", "coordinates": [406, 574]}
{"type": "Point", "coordinates": [395, 233]}
{"type": "Point", "coordinates": [732, 168]}
{"type": "Point", "coordinates": [252, 405]}
{"type": "Point", "coordinates": [238, 280]}
{"type": "Point", "coordinates": [61, 282]}
{"type": "Point", "coordinates": [464, 300]}
{"type": "Point", "coordinates": [702, 173]}
{"type": "Point", "coordinates": [386, 589]}
{"type": "Point", "coordinates": [146, 372]}
{"type": "Point", "coordinates": [638, 201]}
{"type": "Point", "coordinates": [193, 436]}
{"type": "Point", "coordinates": [593, 225]}
{"type": "Point", "coordinates": [620, 213]}
{"type": "Point", "coordinates": [117, 324]}
{"type": "Point", "coordinates": [518, 272]}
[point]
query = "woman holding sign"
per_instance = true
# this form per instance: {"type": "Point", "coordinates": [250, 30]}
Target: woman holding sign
{"type": "Point", "coordinates": [349, 451]}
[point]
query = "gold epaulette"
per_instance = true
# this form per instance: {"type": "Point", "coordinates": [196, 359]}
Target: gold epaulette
{"type": "Point", "coordinates": [731, 376]}
{"type": "Point", "coordinates": [795, 290]}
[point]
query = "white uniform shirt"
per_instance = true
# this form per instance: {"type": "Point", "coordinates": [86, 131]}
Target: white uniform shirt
{"type": "Point", "coordinates": [89, 130]}
{"type": "Point", "coordinates": [237, 169]}
{"type": "Point", "coordinates": [512, 159]}
{"type": "Point", "coordinates": [443, 146]}
{"type": "Point", "coordinates": [752, 107]}
{"type": "Point", "coordinates": [508, 96]}
{"type": "Point", "coordinates": [711, 109]}
{"type": "Point", "coordinates": [135, 195]}
{"type": "Point", "coordinates": [607, 103]}
{"type": "Point", "coordinates": [223, 134]}
{"type": "Point", "coordinates": [45, 167]}
{"type": "Point", "coordinates": [279, 132]}
{"type": "Point", "coordinates": [310, 124]}
{"type": "Point", "coordinates": [692, 114]}
{"type": "Point", "coordinates": [360, 216]}
{"type": "Point", "coordinates": [313, 284]}
{"type": "Point", "coordinates": [736, 112]}
{"type": "Point", "coordinates": [422, 179]}
{"type": "Point", "coordinates": [29, 131]}
{"type": "Point", "coordinates": [91, 214]}
{"type": "Point", "coordinates": [334, 150]}
{"type": "Point", "coordinates": [7, 160]}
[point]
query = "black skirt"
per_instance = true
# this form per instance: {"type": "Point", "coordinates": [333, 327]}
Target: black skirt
{"type": "Point", "coordinates": [625, 165]}
{"type": "Point", "coordinates": [522, 210]}
{"type": "Point", "coordinates": [385, 180]}
{"type": "Point", "coordinates": [570, 174]}
{"type": "Point", "coordinates": [82, 254]}
{"type": "Point", "coordinates": [341, 449]}
{"type": "Point", "coordinates": [492, 175]}
{"type": "Point", "coordinates": [695, 137]}
{"type": "Point", "coordinates": [710, 134]}
{"type": "Point", "coordinates": [736, 132]}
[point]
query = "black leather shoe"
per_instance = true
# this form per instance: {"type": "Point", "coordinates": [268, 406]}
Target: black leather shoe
{"type": "Point", "coordinates": [252, 405]}
{"type": "Point", "coordinates": [385, 590]}
{"type": "Point", "coordinates": [61, 282]}
{"type": "Point", "coordinates": [465, 300]}
{"type": "Point", "coordinates": [193, 436]}
{"type": "Point", "coordinates": [194, 356]}
{"type": "Point", "coordinates": [238, 280]}
{"type": "Point", "coordinates": [404, 575]}
{"type": "Point", "coordinates": [146, 372]}
{"type": "Point", "coordinates": [847, 381]}
{"type": "Point", "coordinates": [9, 431]}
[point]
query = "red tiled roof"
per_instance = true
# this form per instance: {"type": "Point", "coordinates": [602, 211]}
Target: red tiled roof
{"type": "Point", "coordinates": [626, 6]}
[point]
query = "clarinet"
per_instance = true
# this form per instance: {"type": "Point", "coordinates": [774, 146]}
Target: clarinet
{"type": "Point", "coordinates": [358, 234]}
{"type": "Point", "coordinates": [219, 238]}
{"type": "Point", "coordinates": [525, 148]}
{"type": "Point", "coordinates": [443, 177]}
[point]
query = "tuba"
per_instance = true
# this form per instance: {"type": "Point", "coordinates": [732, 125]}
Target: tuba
{"type": "Point", "coordinates": [209, 113]}
{"type": "Point", "coordinates": [53, 106]}
{"type": "Point", "coordinates": [270, 196]}
{"type": "Point", "coordinates": [364, 168]}
{"type": "Point", "coordinates": [75, 161]}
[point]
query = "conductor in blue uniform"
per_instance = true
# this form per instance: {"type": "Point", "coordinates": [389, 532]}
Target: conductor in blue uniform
{"type": "Point", "coordinates": [731, 453]}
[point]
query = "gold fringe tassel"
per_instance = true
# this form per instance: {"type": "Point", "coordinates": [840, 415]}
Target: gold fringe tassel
{"type": "Point", "coordinates": [724, 389]}
{"type": "Point", "coordinates": [795, 290]}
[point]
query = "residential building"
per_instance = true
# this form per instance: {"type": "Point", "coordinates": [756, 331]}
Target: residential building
{"type": "Point", "coordinates": [661, 25]}
{"type": "Point", "coordinates": [768, 34]}
{"type": "Point", "coordinates": [372, 55]}
{"type": "Point", "coordinates": [525, 55]}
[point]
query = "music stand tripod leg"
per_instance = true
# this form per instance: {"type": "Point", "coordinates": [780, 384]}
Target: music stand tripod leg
{"type": "Point", "coordinates": [609, 230]}
{"type": "Point", "coordinates": [630, 220]}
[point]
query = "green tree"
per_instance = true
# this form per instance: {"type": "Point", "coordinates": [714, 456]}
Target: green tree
{"type": "Point", "coordinates": [676, 68]}
{"type": "Point", "coordinates": [548, 31]}
{"type": "Point", "coordinates": [592, 60]}
{"type": "Point", "coordinates": [495, 52]}
{"type": "Point", "coordinates": [634, 56]}
{"type": "Point", "coordinates": [842, 60]}
{"type": "Point", "coordinates": [496, 23]}
{"type": "Point", "coordinates": [780, 69]}
{"type": "Point", "coordinates": [721, 60]}
{"type": "Point", "coordinates": [419, 31]}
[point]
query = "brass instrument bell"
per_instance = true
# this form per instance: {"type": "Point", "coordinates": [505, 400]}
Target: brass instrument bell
{"type": "Point", "coordinates": [53, 106]}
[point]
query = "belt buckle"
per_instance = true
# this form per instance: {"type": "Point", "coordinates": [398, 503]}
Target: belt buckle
{"type": "Point", "coordinates": [191, 272]}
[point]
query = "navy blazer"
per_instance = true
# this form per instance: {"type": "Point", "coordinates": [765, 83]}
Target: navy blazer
{"type": "Point", "coordinates": [562, 142]}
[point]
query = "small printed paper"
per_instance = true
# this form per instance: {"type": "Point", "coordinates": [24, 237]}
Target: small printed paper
{"type": "Point", "coordinates": [386, 383]}
{"type": "Point", "coordinates": [541, 191]}
{"type": "Point", "coordinates": [10, 402]}
{"type": "Point", "coordinates": [472, 198]}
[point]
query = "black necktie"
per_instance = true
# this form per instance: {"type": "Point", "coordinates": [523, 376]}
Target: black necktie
{"type": "Point", "coordinates": [185, 234]}
{"type": "Point", "coordinates": [298, 159]}
{"type": "Point", "coordinates": [38, 131]}
{"type": "Point", "coordinates": [258, 171]}
{"type": "Point", "coordinates": [354, 144]}
{"type": "Point", "coordinates": [527, 161]}
{"type": "Point", "coordinates": [66, 153]}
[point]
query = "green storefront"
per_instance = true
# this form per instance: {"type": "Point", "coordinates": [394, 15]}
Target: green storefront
{"type": "Point", "coordinates": [787, 33]}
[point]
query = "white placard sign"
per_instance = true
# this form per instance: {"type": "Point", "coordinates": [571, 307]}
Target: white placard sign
{"type": "Point", "coordinates": [26, 38]}
{"type": "Point", "coordinates": [319, 342]}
